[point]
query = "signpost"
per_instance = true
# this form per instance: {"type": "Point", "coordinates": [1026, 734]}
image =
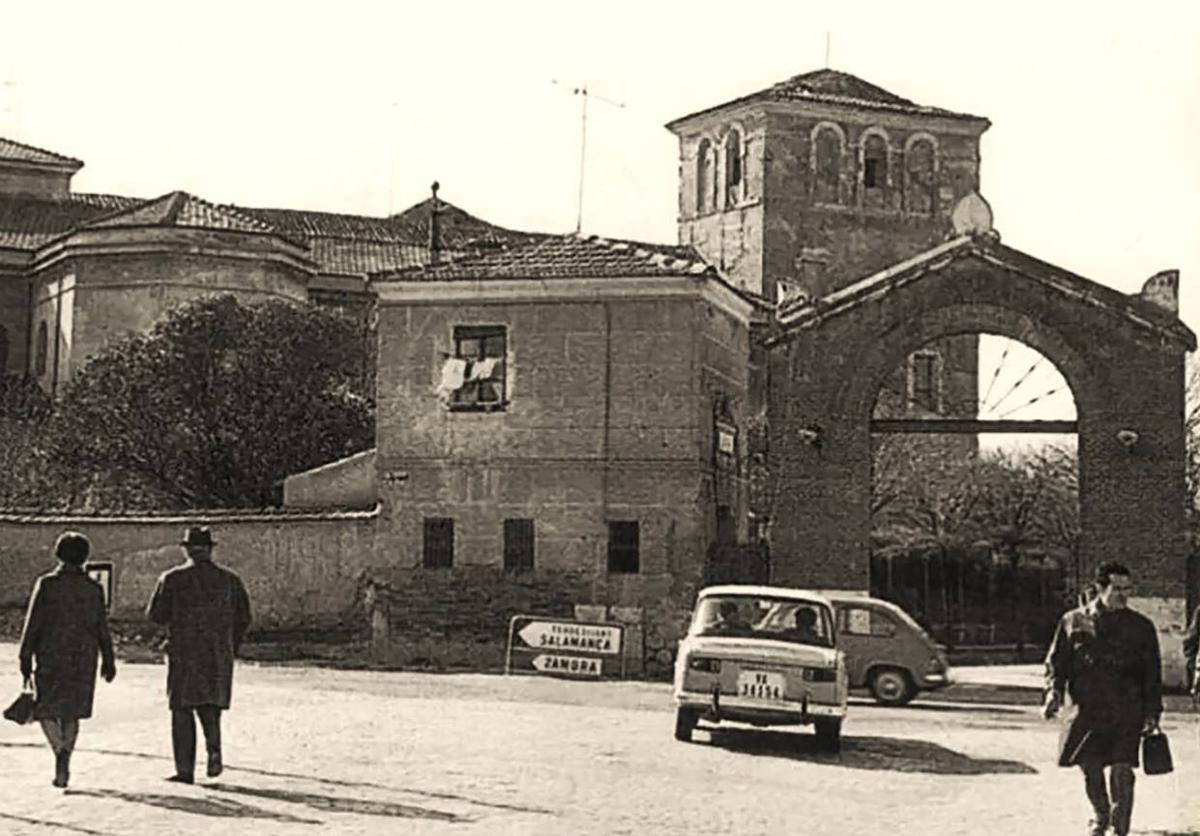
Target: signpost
{"type": "Point", "coordinates": [102, 573]}
{"type": "Point", "coordinates": [559, 647]}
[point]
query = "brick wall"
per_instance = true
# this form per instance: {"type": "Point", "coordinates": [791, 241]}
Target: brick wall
{"type": "Point", "coordinates": [829, 246]}
{"type": "Point", "coordinates": [1121, 376]}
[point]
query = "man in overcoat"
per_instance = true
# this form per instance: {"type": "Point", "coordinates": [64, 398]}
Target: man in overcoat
{"type": "Point", "coordinates": [66, 626]}
{"type": "Point", "coordinates": [1106, 658]}
{"type": "Point", "coordinates": [1191, 646]}
{"type": "Point", "coordinates": [206, 612]}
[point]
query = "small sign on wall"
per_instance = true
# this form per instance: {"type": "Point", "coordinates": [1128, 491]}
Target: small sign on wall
{"type": "Point", "coordinates": [102, 573]}
{"type": "Point", "coordinates": [726, 438]}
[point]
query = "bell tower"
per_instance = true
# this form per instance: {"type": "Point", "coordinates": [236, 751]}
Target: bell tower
{"type": "Point", "coordinates": [819, 181]}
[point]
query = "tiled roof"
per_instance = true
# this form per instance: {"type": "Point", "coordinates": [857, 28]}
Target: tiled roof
{"type": "Point", "coordinates": [304, 224]}
{"type": "Point", "coordinates": [348, 256]}
{"type": "Point", "coordinates": [21, 152]}
{"type": "Point", "coordinates": [27, 223]}
{"type": "Point", "coordinates": [457, 229]}
{"type": "Point", "coordinates": [340, 244]}
{"type": "Point", "coordinates": [563, 257]}
{"type": "Point", "coordinates": [834, 87]}
{"type": "Point", "coordinates": [183, 209]}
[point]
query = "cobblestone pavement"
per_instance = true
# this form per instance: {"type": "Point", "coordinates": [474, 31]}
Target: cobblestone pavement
{"type": "Point", "coordinates": [321, 751]}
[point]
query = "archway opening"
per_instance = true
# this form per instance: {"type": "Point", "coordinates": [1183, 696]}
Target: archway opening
{"type": "Point", "coordinates": [975, 526]}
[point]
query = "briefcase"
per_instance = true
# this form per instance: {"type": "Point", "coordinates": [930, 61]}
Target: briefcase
{"type": "Point", "coordinates": [1156, 753]}
{"type": "Point", "coordinates": [21, 710]}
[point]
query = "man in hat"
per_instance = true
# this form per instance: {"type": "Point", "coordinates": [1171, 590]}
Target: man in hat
{"type": "Point", "coordinates": [1106, 658]}
{"type": "Point", "coordinates": [206, 612]}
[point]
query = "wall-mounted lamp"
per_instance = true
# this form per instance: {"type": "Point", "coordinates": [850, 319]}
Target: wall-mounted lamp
{"type": "Point", "coordinates": [1128, 438]}
{"type": "Point", "coordinates": [812, 436]}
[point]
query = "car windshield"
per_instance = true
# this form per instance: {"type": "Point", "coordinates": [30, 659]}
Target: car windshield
{"type": "Point", "coordinates": [763, 617]}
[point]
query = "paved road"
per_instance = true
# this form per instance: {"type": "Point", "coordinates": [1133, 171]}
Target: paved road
{"type": "Point", "coordinates": [317, 751]}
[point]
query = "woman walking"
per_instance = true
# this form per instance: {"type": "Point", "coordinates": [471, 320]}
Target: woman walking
{"type": "Point", "coordinates": [65, 626]}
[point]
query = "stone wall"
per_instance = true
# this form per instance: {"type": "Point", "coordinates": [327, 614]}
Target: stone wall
{"type": "Point", "coordinates": [302, 571]}
{"type": "Point", "coordinates": [29, 181]}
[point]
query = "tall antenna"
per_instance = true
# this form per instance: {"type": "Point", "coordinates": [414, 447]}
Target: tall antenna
{"type": "Point", "coordinates": [583, 92]}
{"type": "Point", "coordinates": [828, 38]}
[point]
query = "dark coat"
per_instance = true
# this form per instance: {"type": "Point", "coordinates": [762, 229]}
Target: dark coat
{"type": "Point", "coordinates": [1108, 662]}
{"type": "Point", "coordinates": [206, 612]}
{"type": "Point", "coordinates": [65, 627]}
{"type": "Point", "coordinates": [1191, 645]}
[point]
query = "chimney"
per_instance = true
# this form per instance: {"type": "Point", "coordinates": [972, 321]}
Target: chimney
{"type": "Point", "coordinates": [435, 236]}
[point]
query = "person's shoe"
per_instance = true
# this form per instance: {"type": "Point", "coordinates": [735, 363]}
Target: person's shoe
{"type": "Point", "coordinates": [62, 769]}
{"type": "Point", "coordinates": [215, 766]}
{"type": "Point", "coordinates": [181, 779]}
{"type": "Point", "coordinates": [1097, 828]}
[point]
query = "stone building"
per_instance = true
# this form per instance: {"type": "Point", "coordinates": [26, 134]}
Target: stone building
{"type": "Point", "coordinates": [564, 423]}
{"type": "Point", "coordinates": [797, 190]}
{"type": "Point", "coordinates": [78, 270]}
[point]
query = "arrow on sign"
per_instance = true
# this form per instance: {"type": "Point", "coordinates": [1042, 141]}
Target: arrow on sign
{"type": "Point", "coordinates": [575, 665]}
{"type": "Point", "coordinates": [569, 635]}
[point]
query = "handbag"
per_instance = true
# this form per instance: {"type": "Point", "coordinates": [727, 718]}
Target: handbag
{"type": "Point", "coordinates": [21, 710]}
{"type": "Point", "coordinates": [1156, 753]}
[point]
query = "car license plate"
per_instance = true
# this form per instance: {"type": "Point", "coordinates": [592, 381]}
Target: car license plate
{"type": "Point", "coordinates": [760, 685]}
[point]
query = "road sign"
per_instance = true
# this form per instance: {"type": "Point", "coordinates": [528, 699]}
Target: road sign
{"type": "Point", "coordinates": [562, 647]}
{"type": "Point", "coordinates": [102, 573]}
{"type": "Point", "coordinates": [572, 636]}
{"type": "Point", "coordinates": [569, 665]}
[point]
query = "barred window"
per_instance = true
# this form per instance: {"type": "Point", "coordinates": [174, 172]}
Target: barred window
{"type": "Point", "coordinates": [518, 545]}
{"type": "Point", "coordinates": [438, 543]}
{"type": "Point", "coordinates": [924, 390]}
{"type": "Point", "coordinates": [623, 556]}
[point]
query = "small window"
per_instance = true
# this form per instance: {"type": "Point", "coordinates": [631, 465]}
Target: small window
{"type": "Point", "coordinates": [827, 166]}
{"type": "Point", "coordinates": [872, 166]}
{"type": "Point", "coordinates": [733, 168]}
{"type": "Point", "coordinates": [439, 543]}
{"type": "Point", "coordinates": [703, 175]}
{"type": "Point", "coordinates": [860, 621]}
{"type": "Point", "coordinates": [484, 348]}
{"type": "Point", "coordinates": [42, 350]}
{"type": "Point", "coordinates": [924, 386]}
{"type": "Point", "coordinates": [623, 556]}
{"type": "Point", "coordinates": [920, 177]}
{"type": "Point", "coordinates": [518, 545]}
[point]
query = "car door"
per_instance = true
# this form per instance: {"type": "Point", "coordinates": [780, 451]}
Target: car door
{"type": "Point", "coordinates": [865, 633]}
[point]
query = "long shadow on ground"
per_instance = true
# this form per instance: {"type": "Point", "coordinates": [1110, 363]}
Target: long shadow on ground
{"type": "Point", "coordinates": [219, 807]}
{"type": "Point", "coordinates": [897, 754]}
{"type": "Point", "coordinates": [334, 804]}
{"type": "Point", "coordinates": [447, 796]}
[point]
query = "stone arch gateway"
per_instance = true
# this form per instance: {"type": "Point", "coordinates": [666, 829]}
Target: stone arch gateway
{"type": "Point", "coordinates": [1122, 356]}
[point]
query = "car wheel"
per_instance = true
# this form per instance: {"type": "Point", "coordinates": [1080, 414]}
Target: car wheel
{"type": "Point", "coordinates": [829, 733]}
{"type": "Point", "coordinates": [685, 722]}
{"type": "Point", "coordinates": [891, 686]}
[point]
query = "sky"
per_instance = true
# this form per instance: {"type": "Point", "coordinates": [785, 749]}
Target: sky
{"type": "Point", "coordinates": [1091, 162]}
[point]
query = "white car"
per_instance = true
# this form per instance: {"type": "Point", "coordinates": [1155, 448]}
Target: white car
{"type": "Point", "coordinates": [764, 655]}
